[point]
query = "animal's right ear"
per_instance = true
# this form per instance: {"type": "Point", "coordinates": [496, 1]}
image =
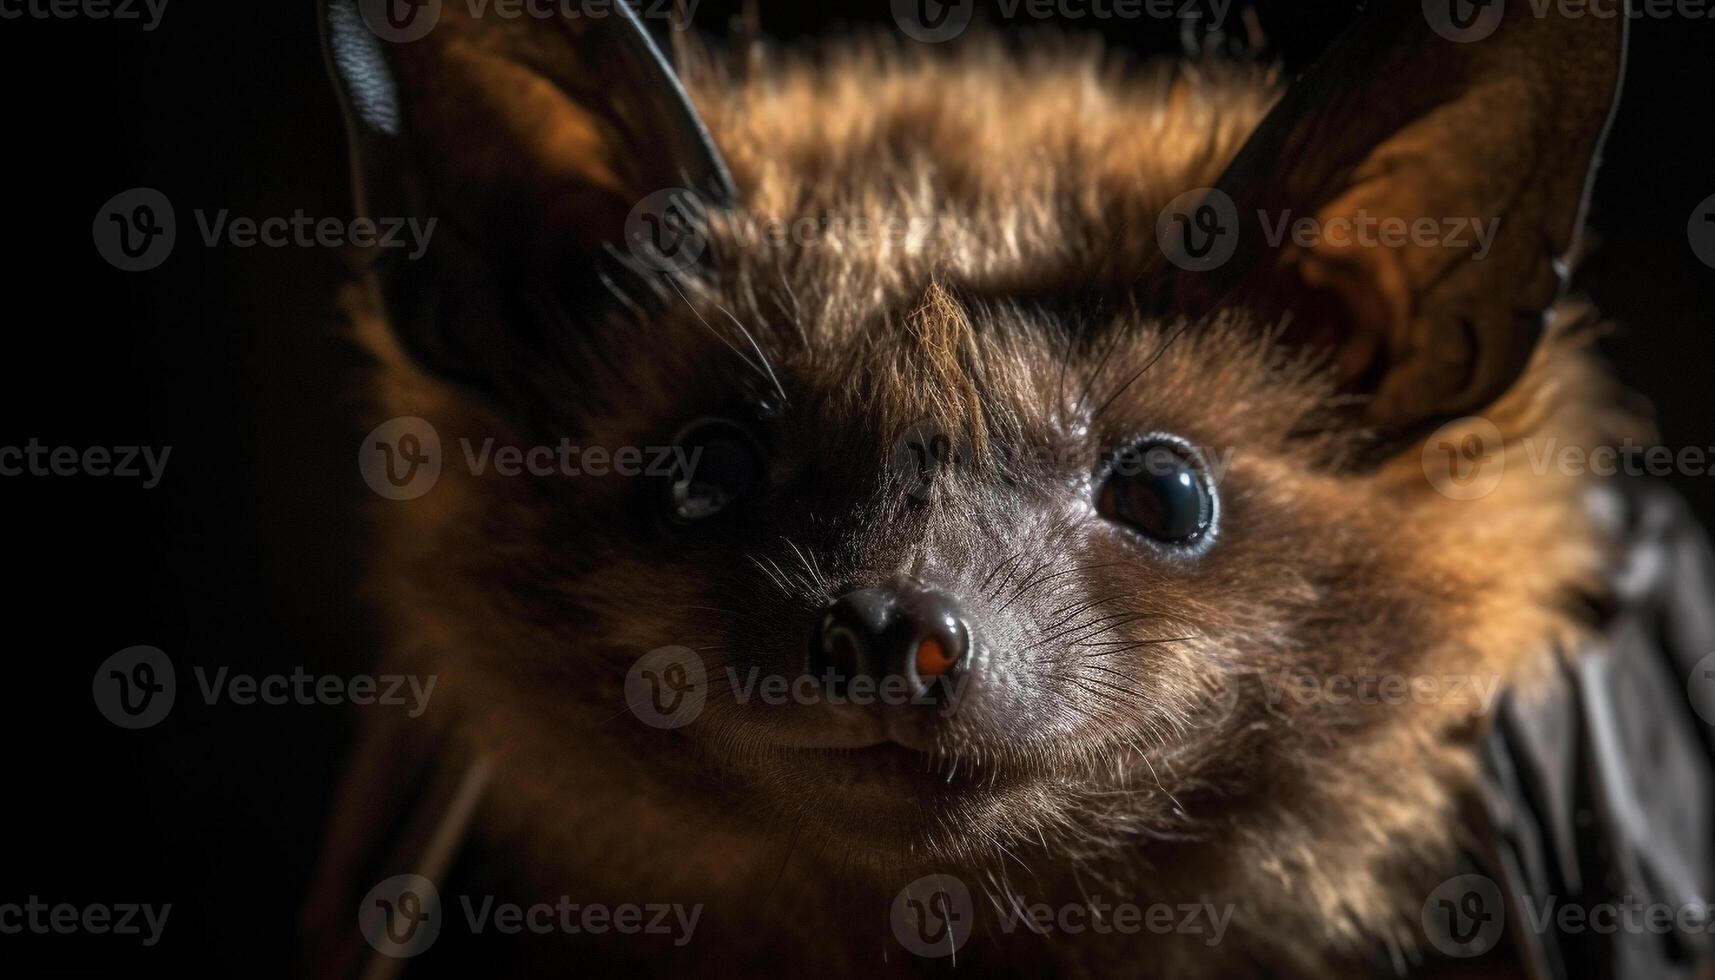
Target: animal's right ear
{"type": "Point", "coordinates": [528, 141]}
{"type": "Point", "coordinates": [1471, 129]}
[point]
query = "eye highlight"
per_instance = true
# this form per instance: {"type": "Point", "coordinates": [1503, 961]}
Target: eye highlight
{"type": "Point", "coordinates": [716, 465]}
{"type": "Point", "coordinates": [1159, 488]}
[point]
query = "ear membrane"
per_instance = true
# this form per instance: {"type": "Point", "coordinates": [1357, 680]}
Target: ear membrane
{"type": "Point", "coordinates": [1411, 203]}
{"type": "Point", "coordinates": [529, 140]}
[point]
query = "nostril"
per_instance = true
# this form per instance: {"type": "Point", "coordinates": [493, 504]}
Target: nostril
{"type": "Point", "coordinates": [908, 633]}
{"type": "Point", "coordinates": [934, 658]}
{"type": "Point", "coordinates": [844, 643]}
{"type": "Point", "coordinates": [844, 651]}
{"type": "Point", "coordinates": [937, 638]}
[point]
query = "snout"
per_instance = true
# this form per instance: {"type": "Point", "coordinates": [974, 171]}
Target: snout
{"type": "Point", "coordinates": [918, 635]}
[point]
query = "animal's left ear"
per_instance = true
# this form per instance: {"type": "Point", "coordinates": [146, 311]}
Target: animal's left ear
{"type": "Point", "coordinates": [529, 141]}
{"type": "Point", "coordinates": [1444, 181]}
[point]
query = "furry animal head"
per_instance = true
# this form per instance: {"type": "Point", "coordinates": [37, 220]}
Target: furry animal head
{"type": "Point", "coordinates": [944, 328]}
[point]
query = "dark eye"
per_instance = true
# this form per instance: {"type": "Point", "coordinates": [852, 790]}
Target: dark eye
{"type": "Point", "coordinates": [1158, 488]}
{"type": "Point", "coordinates": [715, 464]}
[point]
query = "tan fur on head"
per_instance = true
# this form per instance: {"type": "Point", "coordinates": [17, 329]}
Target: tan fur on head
{"type": "Point", "coordinates": [935, 360]}
{"type": "Point", "coordinates": [1009, 170]}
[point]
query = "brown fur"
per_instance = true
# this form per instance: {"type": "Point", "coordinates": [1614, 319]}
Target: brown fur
{"type": "Point", "coordinates": [1324, 825]}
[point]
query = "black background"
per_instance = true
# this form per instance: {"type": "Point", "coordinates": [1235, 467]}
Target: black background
{"type": "Point", "coordinates": [246, 555]}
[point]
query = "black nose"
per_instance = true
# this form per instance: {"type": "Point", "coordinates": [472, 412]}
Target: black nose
{"type": "Point", "coordinates": [918, 635]}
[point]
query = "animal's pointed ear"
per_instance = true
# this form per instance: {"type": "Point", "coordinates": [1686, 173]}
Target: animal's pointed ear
{"type": "Point", "coordinates": [528, 140]}
{"type": "Point", "coordinates": [1475, 134]}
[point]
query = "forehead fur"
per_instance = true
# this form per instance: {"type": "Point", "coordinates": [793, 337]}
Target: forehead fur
{"type": "Point", "coordinates": [994, 170]}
